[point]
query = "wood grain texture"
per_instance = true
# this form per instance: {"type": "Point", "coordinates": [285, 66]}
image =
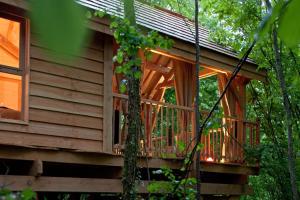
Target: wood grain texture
{"type": "Point", "coordinates": [65, 100]}
{"type": "Point", "coordinates": [108, 95]}
{"type": "Point", "coordinates": [66, 184]}
{"type": "Point", "coordinates": [45, 141]}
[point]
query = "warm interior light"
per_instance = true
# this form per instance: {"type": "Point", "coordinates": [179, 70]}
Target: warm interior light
{"type": "Point", "coordinates": [9, 42]}
{"type": "Point", "coordinates": [209, 159]}
{"type": "Point", "coordinates": [11, 91]}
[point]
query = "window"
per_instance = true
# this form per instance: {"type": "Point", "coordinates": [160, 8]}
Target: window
{"type": "Point", "coordinates": [12, 67]}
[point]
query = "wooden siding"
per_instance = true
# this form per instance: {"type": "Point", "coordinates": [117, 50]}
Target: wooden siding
{"type": "Point", "coordinates": [66, 99]}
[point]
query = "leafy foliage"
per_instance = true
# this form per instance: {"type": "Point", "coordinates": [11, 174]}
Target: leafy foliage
{"type": "Point", "coordinates": [131, 41]}
{"type": "Point", "coordinates": [185, 189]}
{"type": "Point", "coordinates": [60, 24]}
{"type": "Point", "coordinates": [26, 194]}
{"type": "Point", "coordinates": [289, 29]}
{"type": "Point", "coordinates": [232, 24]}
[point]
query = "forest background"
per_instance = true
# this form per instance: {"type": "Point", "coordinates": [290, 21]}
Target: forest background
{"type": "Point", "coordinates": [233, 23]}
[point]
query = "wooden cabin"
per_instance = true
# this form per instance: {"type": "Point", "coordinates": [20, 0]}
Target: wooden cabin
{"type": "Point", "coordinates": [63, 122]}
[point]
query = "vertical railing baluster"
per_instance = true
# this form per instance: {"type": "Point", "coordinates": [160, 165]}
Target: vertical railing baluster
{"type": "Point", "coordinates": [120, 123]}
{"type": "Point", "coordinates": [257, 132]}
{"type": "Point", "coordinates": [155, 131]}
{"type": "Point", "coordinates": [213, 145]}
{"type": "Point", "coordinates": [167, 130]}
{"type": "Point", "coordinates": [220, 145]}
{"type": "Point", "coordinates": [149, 138]}
{"type": "Point", "coordinates": [161, 129]}
{"type": "Point", "coordinates": [178, 134]}
{"type": "Point", "coordinates": [144, 108]}
{"type": "Point", "coordinates": [251, 137]}
{"type": "Point", "coordinates": [234, 138]}
{"type": "Point", "coordinates": [172, 139]}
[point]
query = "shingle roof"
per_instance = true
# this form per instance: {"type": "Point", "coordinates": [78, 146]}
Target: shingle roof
{"type": "Point", "coordinates": [159, 20]}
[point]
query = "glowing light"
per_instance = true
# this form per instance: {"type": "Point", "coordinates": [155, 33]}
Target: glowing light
{"type": "Point", "coordinates": [209, 159]}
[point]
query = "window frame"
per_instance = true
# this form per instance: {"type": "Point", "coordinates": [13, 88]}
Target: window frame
{"type": "Point", "coordinates": [23, 69]}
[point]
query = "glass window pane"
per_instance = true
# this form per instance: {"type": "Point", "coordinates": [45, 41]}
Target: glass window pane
{"type": "Point", "coordinates": [9, 42]}
{"type": "Point", "coordinates": [10, 96]}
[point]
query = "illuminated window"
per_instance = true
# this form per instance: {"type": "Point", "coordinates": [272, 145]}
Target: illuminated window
{"type": "Point", "coordinates": [12, 67]}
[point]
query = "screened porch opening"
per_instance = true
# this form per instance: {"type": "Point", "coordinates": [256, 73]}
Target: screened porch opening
{"type": "Point", "coordinates": [168, 88]}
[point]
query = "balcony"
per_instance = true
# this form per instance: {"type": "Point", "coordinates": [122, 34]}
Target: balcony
{"type": "Point", "coordinates": [168, 132]}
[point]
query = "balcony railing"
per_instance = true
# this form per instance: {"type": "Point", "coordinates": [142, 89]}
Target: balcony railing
{"type": "Point", "coordinates": [168, 132]}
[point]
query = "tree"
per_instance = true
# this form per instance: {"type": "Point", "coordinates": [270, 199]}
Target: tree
{"type": "Point", "coordinates": [197, 99]}
{"type": "Point", "coordinates": [132, 40]}
{"type": "Point", "coordinates": [232, 24]}
{"type": "Point", "coordinates": [134, 120]}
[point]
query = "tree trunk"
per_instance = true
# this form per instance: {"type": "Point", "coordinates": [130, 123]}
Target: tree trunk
{"type": "Point", "coordinates": [134, 122]}
{"type": "Point", "coordinates": [197, 99]}
{"type": "Point", "coordinates": [288, 111]}
{"type": "Point", "coordinates": [131, 145]}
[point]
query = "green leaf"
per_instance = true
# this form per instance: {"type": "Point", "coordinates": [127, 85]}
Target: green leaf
{"type": "Point", "coordinates": [181, 146]}
{"type": "Point", "coordinates": [28, 194]}
{"type": "Point", "coordinates": [122, 88]}
{"type": "Point", "coordinates": [269, 19]}
{"type": "Point", "coordinates": [199, 147]}
{"type": "Point", "coordinates": [114, 25]}
{"type": "Point", "coordinates": [88, 14]}
{"type": "Point", "coordinates": [99, 14]}
{"type": "Point", "coordinates": [137, 74]}
{"type": "Point", "coordinates": [119, 57]}
{"type": "Point", "coordinates": [289, 29]}
{"type": "Point", "coordinates": [119, 69]}
{"type": "Point", "coordinates": [60, 24]}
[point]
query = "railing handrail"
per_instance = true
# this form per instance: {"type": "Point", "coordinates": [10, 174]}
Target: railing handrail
{"type": "Point", "coordinates": [159, 103]}
{"type": "Point", "coordinates": [240, 120]}
{"type": "Point", "coordinates": [191, 109]}
{"type": "Point", "coordinates": [164, 129]}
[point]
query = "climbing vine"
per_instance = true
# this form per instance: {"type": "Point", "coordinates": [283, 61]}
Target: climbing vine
{"type": "Point", "coordinates": [131, 41]}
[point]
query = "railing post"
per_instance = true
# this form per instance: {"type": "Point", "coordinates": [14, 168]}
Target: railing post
{"type": "Point", "coordinates": [108, 96]}
{"type": "Point", "coordinates": [257, 132]}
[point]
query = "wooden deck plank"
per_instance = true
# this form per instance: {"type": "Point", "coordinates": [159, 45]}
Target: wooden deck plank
{"type": "Point", "coordinates": [93, 185]}
{"type": "Point", "coordinates": [89, 158]}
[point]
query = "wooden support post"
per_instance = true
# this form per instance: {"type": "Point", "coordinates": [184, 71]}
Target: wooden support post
{"type": "Point", "coordinates": [36, 168]}
{"type": "Point", "coordinates": [108, 96]}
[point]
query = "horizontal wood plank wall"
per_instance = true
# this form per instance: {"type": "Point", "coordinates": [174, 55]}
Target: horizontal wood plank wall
{"type": "Point", "coordinates": [66, 99]}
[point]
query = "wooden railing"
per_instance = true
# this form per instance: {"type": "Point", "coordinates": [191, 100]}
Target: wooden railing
{"type": "Point", "coordinates": [226, 143]}
{"type": "Point", "coordinates": [168, 132]}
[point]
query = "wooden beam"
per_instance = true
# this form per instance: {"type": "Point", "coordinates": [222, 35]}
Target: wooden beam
{"type": "Point", "coordinates": [169, 80]}
{"type": "Point", "coordinates": [157, 67]}
{"type": "Point", "coordinates": [167, 84]}
{"type": "Point", "coordinates": [17, 3]}
{"type": "Point", "coordinates": [248, 70]}
{"type": "Point", "coordinates": [36, 168]}
{"type": "Point", "coordinates": [232, 88]}
{"type": "Point", "coordinates": [108, 97]}
{"type": "Point", "coordinates": [205, 73]}
{"type": "Point", "coordinates": [228, 169]}
{"type": "Point", "coordinates": [93, 185]}
{"type": "Point", "coordinates": [31, 154]}
{"type": "Point", "coordinates": [68, 157]}
{"type": "Point", "coordinates": [225, 189]}
{"type": "Point", "coordinates": [9, 47]}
